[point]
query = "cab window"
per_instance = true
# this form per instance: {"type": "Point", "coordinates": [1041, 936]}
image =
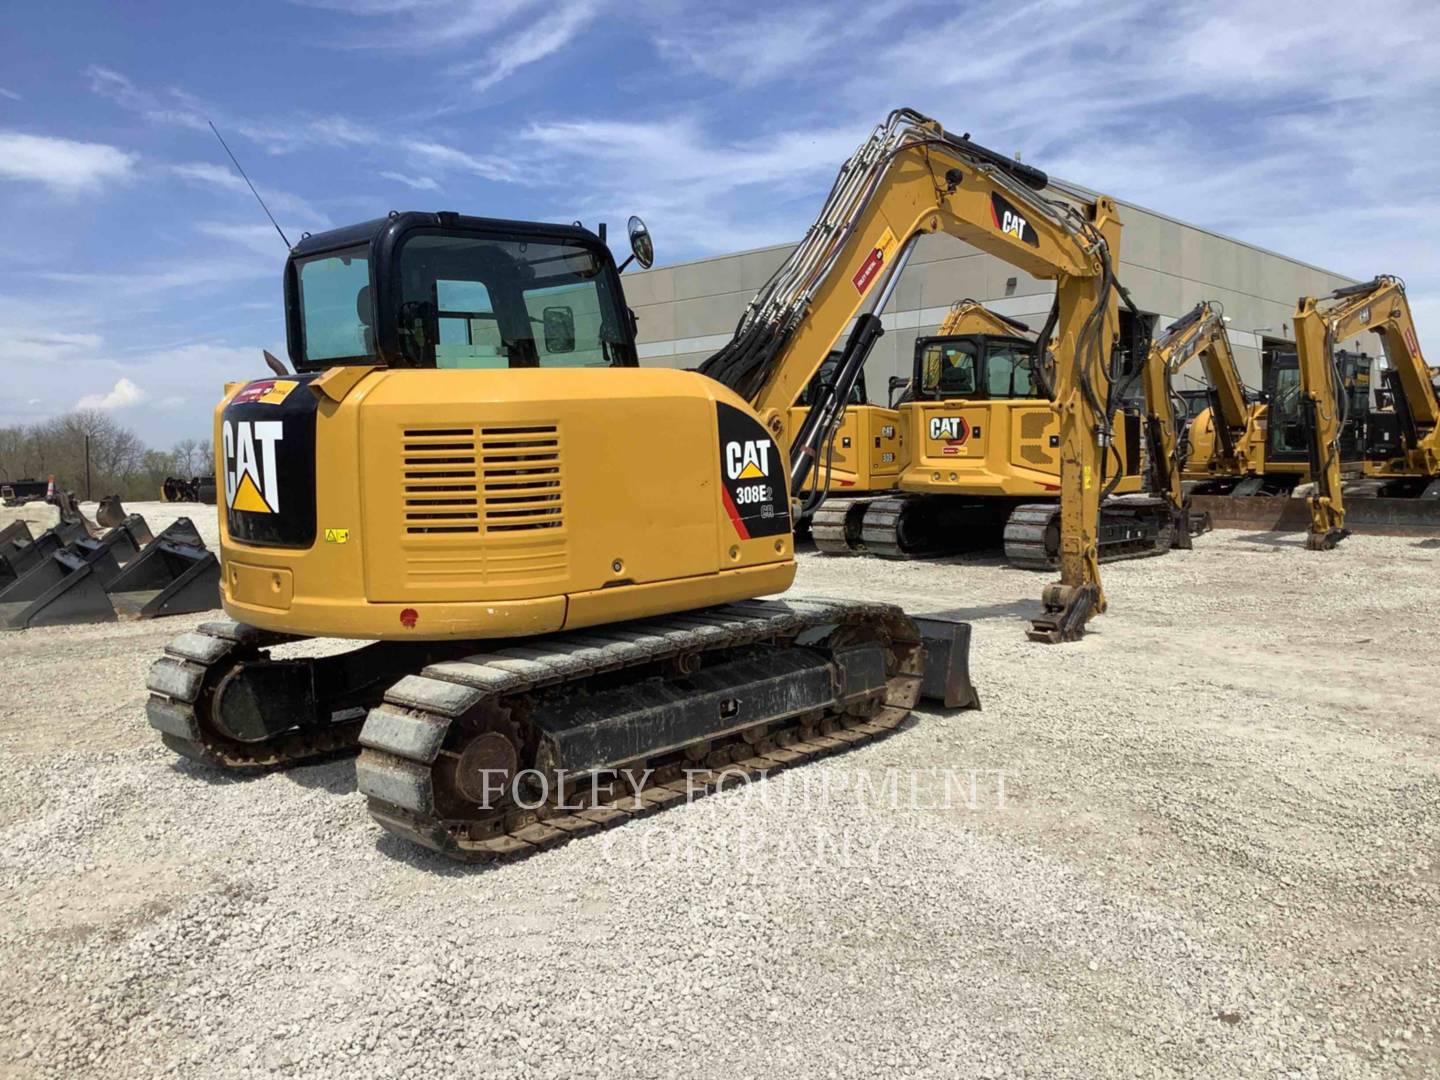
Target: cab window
{"type": "Point", "coordinates": [335, 305]}
{"type": "Point", "coordinates": [948, 368]}
{"type": "Point", "coordinates": [486, 301]}
{"type": "Point", "coordinates": [468, 335]}
{"type": "Point", "coordinates": [1007, 372]}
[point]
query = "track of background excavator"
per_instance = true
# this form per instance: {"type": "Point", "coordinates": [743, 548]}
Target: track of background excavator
{"type": "Point", "coordinates": [835, 526]}
{"type": "Point", "coordinates": [1029, 535]}
{"type": "Point", "coordinates": [408, 762]}
{"type": "Point", "coordinates": [180, 681]}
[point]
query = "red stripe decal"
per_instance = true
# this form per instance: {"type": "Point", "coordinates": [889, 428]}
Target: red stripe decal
{"type": "Point", "coordinates": [734, 514]}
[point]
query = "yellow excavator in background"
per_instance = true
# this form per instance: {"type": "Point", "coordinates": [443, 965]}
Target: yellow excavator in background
{"type": "Point", "coordinates": [868, 452]}
{"type": "Point", "coordinates": [864, 455]}
{"type": "Point", "coordinates": [552, 552]}
{"type": "Point", "coordinates": [1375, 469]}
{"type": "Point", "coordinates": [983, 436]}
{"type": "Point", "coordinates": [1409, 497]}
{"type": "Point", "coordinates": [1225, 441]}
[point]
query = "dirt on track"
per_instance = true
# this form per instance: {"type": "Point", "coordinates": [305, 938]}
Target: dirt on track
{"type": "Point", "coordinates": [1201, 842]}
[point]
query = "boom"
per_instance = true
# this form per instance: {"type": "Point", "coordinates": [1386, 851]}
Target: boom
{"type": "Point", "coordinates": [1200, 333]}
{"type": "Point", "coordinates": [910, 178]}
{"type": "Point", "coordinates": [1381, 307]}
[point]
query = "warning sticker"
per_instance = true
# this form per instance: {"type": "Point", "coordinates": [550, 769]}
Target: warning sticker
{"type": "Point", "coordinates": [875, 262]}
{"type": "Point", "coordinates": [266, 392]}
{"type": "Point", "coordinates": [337, 536]}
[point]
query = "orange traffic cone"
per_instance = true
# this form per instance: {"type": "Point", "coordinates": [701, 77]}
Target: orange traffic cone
{"type": "Point", "coordinates": [50, 491]}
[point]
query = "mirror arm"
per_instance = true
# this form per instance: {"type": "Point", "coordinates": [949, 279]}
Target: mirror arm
{"type": "Point", "coordinates": [621, 268]}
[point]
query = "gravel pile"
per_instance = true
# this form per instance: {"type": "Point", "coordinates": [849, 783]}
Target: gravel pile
{"type": "Point", "coordinates": [1203, 841]}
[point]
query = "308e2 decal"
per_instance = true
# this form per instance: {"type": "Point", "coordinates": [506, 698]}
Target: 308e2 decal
{"type": "Point", "coordinates": [752, 476]}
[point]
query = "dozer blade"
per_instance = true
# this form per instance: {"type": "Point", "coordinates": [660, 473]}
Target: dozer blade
{"type": "Point", "coordinates": [68, 587]}
{"type": "Point", "coordinates": [1418, 518]}
{"type": "Point", "coordinates": [169, 577]}
{"type": "Point", "coordinates": [110, 513]}
{"type": "Point", "coordinates": [947, 662]}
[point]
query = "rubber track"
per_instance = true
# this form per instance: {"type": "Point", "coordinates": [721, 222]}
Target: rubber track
{"type": "Point", "coordinates": [403, 737]}
{"type": "Point", "coordinates": [830, 526]}
{"type": "Point", "coordinates": [882, 531]}
{"type": "Point", "coordinates": [1026, 549]}
{"type": "Point", "coordinates": [186, 673]}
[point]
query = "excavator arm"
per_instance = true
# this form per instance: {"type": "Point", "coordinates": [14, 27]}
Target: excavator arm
{"type": "Point", "coordinates": [972, 317]}
{"type": "Point", "coordinates": [910, 178]}
{"type": "Point", "coordinates": [1379, 306]}
{"type": "Point", "coordinates": [1200, 333]}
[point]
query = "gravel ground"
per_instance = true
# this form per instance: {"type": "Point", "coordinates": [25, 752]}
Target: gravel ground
{"type": "Point", "coordinates": [1202, 842]}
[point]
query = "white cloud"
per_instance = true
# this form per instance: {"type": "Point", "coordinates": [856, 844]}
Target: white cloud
{"type": "Point", "coordinates": [63, 165]}
{"type": "Point", "coordinates": [121, 396]}
{"type": "Point", "coordinates": [424, 25]}
{"type": "Point", "coordinates": [178, 108]}
{"type": "Point", "coordinates": [419, 183]}
{"type": "Point", "coordinates": [700, 193]}
{"type": "Point", "coordinates": [447, 158]}
{"type": "Point", "coordinates": [1274, 124]}
{"type": "Point", "coordinates": [175, 278]}
{"type": "Point", "coordinates": [281, 203]}
{"type": "Point", "coordinates": [172, 107]}
{"type": "Point", "coordinates": [530, 43]}
{"type": "Point", "coordinates": [765, 43]}
{"type": "Point", "coordinates": [259, 237]}
{"type": "Point", "coordinates": [11, 94]}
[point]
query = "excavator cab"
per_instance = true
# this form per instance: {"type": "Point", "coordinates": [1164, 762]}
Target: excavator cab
{"type": "Point", "coordinates": [978, 366]}
{"type": "Point", "coordinates": [1286, 440]}
{"type": "Point", "coordinates": [448, 291]}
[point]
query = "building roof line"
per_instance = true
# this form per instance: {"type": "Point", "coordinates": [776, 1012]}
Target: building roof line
{"type": "Point", "coordinates": [1080, 188]}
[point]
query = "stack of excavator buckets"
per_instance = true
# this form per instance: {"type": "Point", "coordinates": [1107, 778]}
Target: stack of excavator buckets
{"type": "Point", "coordinates": [66, 575]}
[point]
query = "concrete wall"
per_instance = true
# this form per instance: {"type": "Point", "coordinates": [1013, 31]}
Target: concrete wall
{"type": "Point", "coordinates": [687, 311]}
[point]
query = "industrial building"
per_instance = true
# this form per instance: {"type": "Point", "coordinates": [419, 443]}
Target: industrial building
{"type": "Point", "coordinates": [688, 310]}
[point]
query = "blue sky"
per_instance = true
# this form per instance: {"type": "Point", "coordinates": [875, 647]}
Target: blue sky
{"type": "Point", "coordinates": [137, 273]}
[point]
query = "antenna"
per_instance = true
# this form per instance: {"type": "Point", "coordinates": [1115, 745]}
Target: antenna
{"type": "Point", "coordinates": [248, 184]}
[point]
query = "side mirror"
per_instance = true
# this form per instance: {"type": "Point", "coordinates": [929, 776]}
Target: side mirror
{"type": "Point", "coordinates": [642, 248]}
{"type": "Point", "coordinates": [641, 244]}
{"type": "Point", "coordinates": [559, 325]}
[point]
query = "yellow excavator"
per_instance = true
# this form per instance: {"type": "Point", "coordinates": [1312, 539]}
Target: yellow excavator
{"type": "Point", "coordinates": [868, 453]}
{"type": "Point", "coordinates": [865, 454]}
{"type": "Point", "coordinates": [1408, 469]}
{"type": "Point", "coordinates": [1225, 441]}
{"type": "Point", "coordinates": [983, 438]}
{"type": "Point", "coordinates": [1375, 469]}
{"type": "Point", "coordinates": [552, 553]}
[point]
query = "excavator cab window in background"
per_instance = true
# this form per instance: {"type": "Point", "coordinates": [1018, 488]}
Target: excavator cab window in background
{"type": "Point", "coordinates": [1286, 437]}
{"type": "Point", "coordinates": [982, 366]}
{"type": "Point", "coordinates": [825, 377]}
